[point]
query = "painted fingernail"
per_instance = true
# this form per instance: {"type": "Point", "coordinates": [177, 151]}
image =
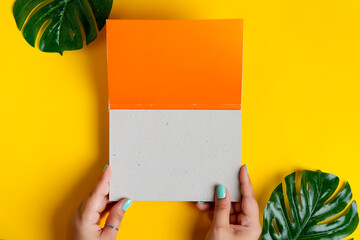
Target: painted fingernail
{"type": "Point", "coordinates": [126, 204]}
{"type": "Point", "coordinates": [201, 202]}
{"type": "Point", "coordinates": [105, 168]}
{"type": "Point", "coordinates": [221, 192]}
{"type": "Point", "coordinates": [247, 168]}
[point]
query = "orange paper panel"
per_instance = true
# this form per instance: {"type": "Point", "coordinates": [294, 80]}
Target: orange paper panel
{"type": "Point", "coordinates": [175, 64]}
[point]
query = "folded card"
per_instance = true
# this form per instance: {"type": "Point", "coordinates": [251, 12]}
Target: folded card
{"type": "Point", "coordinates": [175, 108]}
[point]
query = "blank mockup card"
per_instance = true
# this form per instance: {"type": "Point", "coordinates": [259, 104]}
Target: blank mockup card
{"type": "Point", "coordinates": [175, 108]}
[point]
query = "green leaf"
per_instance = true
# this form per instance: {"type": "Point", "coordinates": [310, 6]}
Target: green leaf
{"type": "Point", "coordinates": [62, 22]}
{"type": "Point", "coordinates": [306, 214]}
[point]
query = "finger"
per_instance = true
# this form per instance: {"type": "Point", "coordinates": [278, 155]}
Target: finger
{"type": "Point", "coordinates": [202, 206]}
{"type": "Point", "coordinates": [244, 220]}
{"type": "Point", "coordinates": [107, 209]}
{"type": "Point", "coordinates": [237, 207]}
{"type": "Point", "coordinates": [232, 211]}
{"type": "Point", "coordinates": [233, 219]}
{"type": "Point", "coordinates": [114, 219]}
{"type": "Point", "coordinates": [222, 207]}
{"type": "Point", "coordinates": [249, 204]}
{"type": "Point", "coordinates": [98, 199]}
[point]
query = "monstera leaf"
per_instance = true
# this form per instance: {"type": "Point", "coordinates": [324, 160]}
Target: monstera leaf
{"type": "Point", "coordinates": [307, 211]}
{"type": "Point", "coordinates": [61, 22]}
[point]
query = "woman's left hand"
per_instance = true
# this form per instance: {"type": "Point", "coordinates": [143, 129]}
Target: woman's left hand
{"type": "Point", "coordinates": [86, 219]}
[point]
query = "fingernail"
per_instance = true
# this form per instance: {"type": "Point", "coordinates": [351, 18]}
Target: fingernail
{"type": "Point", "coordinates": [201, 202]}
{"type": "Point", "coordinates": [126, 205]}
{"type": "Point", "coordinates": [247, 168]}
{"type": "Point", "coordinates": [105, 168]}
{"type": "Point", "coordinates": [221, 192]}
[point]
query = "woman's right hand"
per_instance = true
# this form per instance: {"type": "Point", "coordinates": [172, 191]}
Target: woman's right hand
{"type": "Point", "coordinates": [237, 221]}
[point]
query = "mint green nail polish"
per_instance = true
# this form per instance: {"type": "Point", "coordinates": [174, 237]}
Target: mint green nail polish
{"type": "Point", "coordinates": [247, 168]}
{"type": "Point", "coordinates": [126, 205]}
{"type": "Point", "coordinates": [201, 202]}
{"type": "Point", "coordinates": [105, 168]}
{"type": "Point", "coordinates": [221, 192]}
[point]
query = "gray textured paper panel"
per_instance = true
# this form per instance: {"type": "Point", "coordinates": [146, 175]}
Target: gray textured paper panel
{"type": "Point", "coordinates": [174, 155]}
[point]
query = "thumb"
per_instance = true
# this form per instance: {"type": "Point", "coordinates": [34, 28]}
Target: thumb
{"type": "Point", "coordinates": [114, 219]}
{"type": "Point", "coordinates": [222, 207]}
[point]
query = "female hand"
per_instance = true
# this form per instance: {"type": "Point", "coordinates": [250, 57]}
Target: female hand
{"type": "Point", "coordinates": [86, 219]}
{"type": "Point", "coordinates": [234, 221]}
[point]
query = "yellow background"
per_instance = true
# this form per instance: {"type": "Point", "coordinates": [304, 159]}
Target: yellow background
{"type": "Point", "coordinates": [300, 111]}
